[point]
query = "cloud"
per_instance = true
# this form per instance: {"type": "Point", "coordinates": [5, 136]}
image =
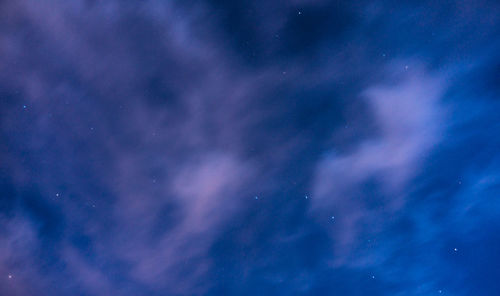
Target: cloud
{"type": "Point", "coordinates": [371, 181]}
{"type": "Point", "coordinates": [150, 126]}
{"type": "Point", "coordinates": [18, 244]}
{"type": "Point", "coordinates": [202, 196]}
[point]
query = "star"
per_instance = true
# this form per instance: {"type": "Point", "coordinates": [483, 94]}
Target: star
{"type": "Point", "coordinates": [10, 276]}
{"type": "Point", "coordinates": [57, 194]}
{"type": "Point", "coordinates": [300, 12]}
{"type": "Point", "coordinates": [307, 197]}
{"type": "Point", "coordinates": [455, 249]}
{"type": "Point", "coordinates": [256, 197]}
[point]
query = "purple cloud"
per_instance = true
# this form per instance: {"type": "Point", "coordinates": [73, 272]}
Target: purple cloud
{"type": "Point", "coordinates": [408, 118]}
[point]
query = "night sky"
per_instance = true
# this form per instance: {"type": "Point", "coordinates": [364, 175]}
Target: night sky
{"type": "Point", "coordinates": [249, 147]}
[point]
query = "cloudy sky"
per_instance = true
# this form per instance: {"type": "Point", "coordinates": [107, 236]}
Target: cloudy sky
{"type": "Point", "coordinates": [249, 147]}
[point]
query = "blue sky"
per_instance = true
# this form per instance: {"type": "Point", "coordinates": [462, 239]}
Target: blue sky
{"type": "Point", "coordinates": [249, 147]}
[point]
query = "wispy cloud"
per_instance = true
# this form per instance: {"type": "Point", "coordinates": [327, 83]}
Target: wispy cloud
{"type": "Point", "coordinates": [135, 136]}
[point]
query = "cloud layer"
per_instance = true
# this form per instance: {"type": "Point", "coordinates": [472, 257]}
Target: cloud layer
{"type": "Point", "coordinates": [263, 148]}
